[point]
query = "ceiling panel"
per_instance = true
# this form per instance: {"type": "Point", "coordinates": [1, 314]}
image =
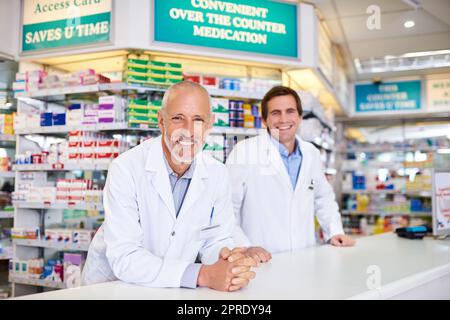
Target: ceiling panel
{"type": "Point", "coordinates": [355, 28]}
{"type": "Point", "coordinates": [397, 46]}
{"type": "Point", "coordinates": [348, 8]}
{"type": "Point", "coordinates": [439, 8]}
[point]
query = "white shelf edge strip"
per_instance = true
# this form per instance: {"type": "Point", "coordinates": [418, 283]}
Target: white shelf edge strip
{"type": "Point", "coordinates": [58, 206]}
{"type": "Point", "coordinates": [36, 282]}
{"type": "Point", "coordinates": [50, 244]}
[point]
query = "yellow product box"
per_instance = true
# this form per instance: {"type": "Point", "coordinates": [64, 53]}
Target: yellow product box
{"type": "Point", "coordinates": [249, 121]}
{"type": "Point", "coordinates": [159, 65]}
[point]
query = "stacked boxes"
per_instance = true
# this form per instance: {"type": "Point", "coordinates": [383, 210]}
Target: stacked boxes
{"type": "Point", "coordinates": [143, 113]}
{"type": "Point", "coordinates": [38, 79]}
{"type": "Point", "coordinates": [220, 109]}
{"type": "Point", "coordinates": [33, 187]}
{"type": "Point", "coordinates": [67, 269]}
{"type": "Point", "coordinates": [25, 233]}
{"type": "Point", "coordinates": [30, 269]}
{"type": "Point", "coordinates": [81, 148]}
{"type": "Point", "coordinates": [93, 148]}
{"type": "Point", "coordinates": [140, 70]}
{"type": "Point", "coordinates": [69, 236]}
{"type": "Point", "coordinates": [252, 116]}
{"type": "Point", "coordinates": [72, 190]}
{"type": "Point", "coordinates": [111, 109]}
{"type": "Point", "coordinates": [236, 111]}
{"type": "Point", "coordinates": [206, 81]}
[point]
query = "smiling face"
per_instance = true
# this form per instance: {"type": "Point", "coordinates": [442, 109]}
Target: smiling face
{"type": "Point", "coordinates": [283, 118]}
{"type": "Point", "coordinates": [184, 122]}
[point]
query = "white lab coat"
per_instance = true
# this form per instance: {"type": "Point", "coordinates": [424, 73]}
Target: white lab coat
{"type": "Point", "coordinates": [270, 212]}
{"type": "Point", "coordinates": [141, 241]}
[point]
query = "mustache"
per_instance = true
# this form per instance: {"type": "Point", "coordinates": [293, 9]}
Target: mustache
{"type": "Point", "coordinates": [176, 138]}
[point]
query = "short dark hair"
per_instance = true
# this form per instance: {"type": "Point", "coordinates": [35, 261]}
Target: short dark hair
{"type": "Point", "coordinates": [277, 92]}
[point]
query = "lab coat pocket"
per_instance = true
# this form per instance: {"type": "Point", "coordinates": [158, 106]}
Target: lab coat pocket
{"type": "Point", "coordinates": [208, 232]}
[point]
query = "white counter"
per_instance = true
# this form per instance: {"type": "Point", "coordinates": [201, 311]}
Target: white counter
{"type": "Point", "coordinates": [408, 269]}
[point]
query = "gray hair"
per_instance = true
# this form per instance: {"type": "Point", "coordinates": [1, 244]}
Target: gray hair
{"type": "Point", "coordinates": [190, 85]}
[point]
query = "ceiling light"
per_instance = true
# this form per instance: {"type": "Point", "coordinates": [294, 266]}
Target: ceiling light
{"type": "Point", "coordinates": [409, 24]}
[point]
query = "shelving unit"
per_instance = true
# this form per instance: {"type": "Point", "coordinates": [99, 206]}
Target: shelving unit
{"type": "Point", "coordinates": [62, 94]}
{"type": "Point", "coordinates": [58, 93]}
{"type": "Point", "coordinates": [7, 143]}
{"type": "Point", "coordinates": [417, 214]}
{"type": "Point", "coordinates": [395, 173]}
{"type": "Point", "coordinates": [61, 167]}
{"type": "Point", "coordinates": [39, 214]}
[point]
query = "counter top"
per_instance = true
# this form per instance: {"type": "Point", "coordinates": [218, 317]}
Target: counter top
{"type": "Point", "coordinates": [322, 272]}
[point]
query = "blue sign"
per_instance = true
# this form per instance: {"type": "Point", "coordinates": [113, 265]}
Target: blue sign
{"type": "Point", "coordinates": [388, 96]}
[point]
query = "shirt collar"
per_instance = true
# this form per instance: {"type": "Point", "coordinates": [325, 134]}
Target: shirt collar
{"type": "Point", "coordinates": [187, 175]}
{"type": "Point", "coordinates": [283, 150]}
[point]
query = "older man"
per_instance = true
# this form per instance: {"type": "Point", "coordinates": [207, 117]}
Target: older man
{"type": "Point", "coordinates": [168, 205]}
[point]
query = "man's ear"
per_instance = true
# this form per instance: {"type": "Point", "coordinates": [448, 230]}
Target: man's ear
{"type": "Point", "coordinates": [160, 120]}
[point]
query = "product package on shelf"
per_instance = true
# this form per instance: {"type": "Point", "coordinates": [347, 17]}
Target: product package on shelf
{"type": "Point", "coordinates": [82, 147]}
{"type": "Point", "coordinates": [7, 124]}
{"type": "Point", "coordinates": [139, 69]}
{"type": "Point", "coordinates": [38, 80]}
{"type": "Point", "coordinates": [143, 113]}
{"type": "Point", "coordinates": [65, 270]}
{"type": "Point", "coordinates": [77, 191]}
{"type": "Point", "coordinates": [220, 109]}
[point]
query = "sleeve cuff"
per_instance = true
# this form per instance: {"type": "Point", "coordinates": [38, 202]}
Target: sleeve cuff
{"type": "Point", "coordinates": [190, 276]}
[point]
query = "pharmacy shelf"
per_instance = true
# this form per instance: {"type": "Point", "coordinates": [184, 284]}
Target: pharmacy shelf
{"type": "Point", "coordinates": [236, 94]}
{"type": "Point", "coordinates": [65, 129]}
{"type": "Point", "coordinates": [36, 282]}
{"type": "Point", "coordinates": [122, 86]}
{"type": "Point", "coordinates": [237, 131]}
{"type": "Point", "coordinates": [7, 174]}
{"type": "Point", "coordinates": [408, 193]}
{"type": "Point", "coordinates": [124, 127]}
{"type": "Point", "coordinates": [61, 167]}
{"type": "Point", "coordinates": [417, 214]}
{"type": "Point", "coordinates": [58, 206]}
{"type": "Point", "coordinates": [7, 138]}
{"type": "Point", "coordinates": [50, 244]}
{"type": "Point", "coordinates": [377, 149]}
{"type": "Point", "coordinates": [6, 214]}
{"type": "Point", "coordinates": [379, 165]}
{"type": "Point", "coordinates": [59, 91]}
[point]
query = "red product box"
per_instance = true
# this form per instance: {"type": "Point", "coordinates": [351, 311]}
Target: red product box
{"type": "Point", "coordinates": [74, 144]}
{"type": "Point", "coordinates": [209, 81]}
{"type": "Point", "coordinates": [108, 143]}
{"type": "Point", "coordinates": [75, 156]}
{"type": "Point", "coordinates": [192, 78]}
{"type": "Point", "coordinates": [75, 133]}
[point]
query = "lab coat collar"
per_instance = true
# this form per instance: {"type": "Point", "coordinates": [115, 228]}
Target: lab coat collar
{"type": "Point", "coordinates": [159, 177]}
{"type": "Point", "coordinates": [277, 162]}
{"type": "Point", "coordinates": [274, 157]}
